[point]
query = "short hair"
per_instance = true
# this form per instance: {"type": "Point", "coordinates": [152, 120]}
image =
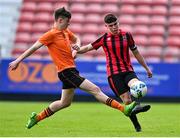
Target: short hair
{"type": "Point", "coordinates": [109, 18]}
{"type": "Point", "coordinates": [62, 12]}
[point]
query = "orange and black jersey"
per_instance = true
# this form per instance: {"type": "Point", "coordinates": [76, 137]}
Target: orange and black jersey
{"type": "Point", "coordinates": [116, 48]}
{"type": "Point", "coordinates": [59, 47]}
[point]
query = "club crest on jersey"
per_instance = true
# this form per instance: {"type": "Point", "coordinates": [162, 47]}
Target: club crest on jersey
{"type": "Point", "coordinates": [109, 38]}
{"type": "Point", "coordinates": [124, 37]}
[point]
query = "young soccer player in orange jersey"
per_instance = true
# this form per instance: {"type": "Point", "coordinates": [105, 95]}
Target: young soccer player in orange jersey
{"type": "Point", "coordinates": [58, 41]}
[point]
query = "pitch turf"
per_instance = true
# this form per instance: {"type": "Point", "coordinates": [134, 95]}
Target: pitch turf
{"type": "Point", "coordinates": [88, 120]}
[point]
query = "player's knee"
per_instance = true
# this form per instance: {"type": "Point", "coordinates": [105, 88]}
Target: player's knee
{"type": "Point", "coordinates": [127, 101]}
{"type": "Point", "coordinates": [67, 104]}
{"type": "Point", "coordinates": [96, 89]}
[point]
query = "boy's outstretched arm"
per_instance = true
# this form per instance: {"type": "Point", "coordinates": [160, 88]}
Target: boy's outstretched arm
{"type": "Point", "coordinates": [141, 60]}
{"type": "Point", "coordinates": [14, 64]}
{"type": "Point", "coordinates": [81, 50]}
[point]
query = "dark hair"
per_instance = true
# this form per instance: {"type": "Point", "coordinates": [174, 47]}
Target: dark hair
{"type": "Point", "coordinates": [62, 12]}
{"type": "Point", "coordinates": [109, 18]}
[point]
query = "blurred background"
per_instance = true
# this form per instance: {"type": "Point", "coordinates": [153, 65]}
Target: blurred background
{"type": "Point", "coordinates": [154, 24]}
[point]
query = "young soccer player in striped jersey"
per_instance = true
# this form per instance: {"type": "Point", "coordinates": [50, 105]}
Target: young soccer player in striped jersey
{"type": "Point", "coordinates": [58, 41]}
{"type": "Point", "coordinates": [116, 44]}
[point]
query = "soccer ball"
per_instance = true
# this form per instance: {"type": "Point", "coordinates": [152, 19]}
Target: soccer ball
{"type": "Point", "coordinates": [138, 89]}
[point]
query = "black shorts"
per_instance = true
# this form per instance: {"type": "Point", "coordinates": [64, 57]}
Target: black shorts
{"type": "Point", "coordinates": [119, 82]}
{"type": "Point", "coordinates": [70, 78]}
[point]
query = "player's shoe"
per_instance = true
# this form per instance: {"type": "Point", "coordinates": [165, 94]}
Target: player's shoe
{"type": "Point", "coordinates": [128, 108]}
{"type": "Point", "coordinates": [32, 120]}
{"type": "Point", "coordinates": [135, 122]}
{"type": "Point", "coordinates": [138, 128]}
{"type": "Point", "coordinates": [140, 108]}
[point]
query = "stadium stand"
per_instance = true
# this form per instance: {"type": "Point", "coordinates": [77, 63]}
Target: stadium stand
{"type": "Point", "coordinates": [154, 24]}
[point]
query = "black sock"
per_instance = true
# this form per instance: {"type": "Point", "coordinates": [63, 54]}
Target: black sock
{"type": "Point", "coordinates": [134, 120]}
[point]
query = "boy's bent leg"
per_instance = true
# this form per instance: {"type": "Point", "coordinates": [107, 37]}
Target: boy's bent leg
{"type": "Point", "coordinates": [100, 96]}
{"type": "Point", "coordinates": [66, 99]}
{"type": "Point", "coordinates": [126, 98]}
{"type": "Point", "coordinates": [135, 122]}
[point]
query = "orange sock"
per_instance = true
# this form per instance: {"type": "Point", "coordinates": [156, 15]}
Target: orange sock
{"type": "Point", "coordinates": [44, 114]}
{"type": "Point", "coordinates": [115, 104]}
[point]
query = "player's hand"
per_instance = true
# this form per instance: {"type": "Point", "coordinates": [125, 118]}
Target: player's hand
{"type": "Point", "coordinates": [74, 54]}
{"type": "Point", "coordinates": [13, 65]}
{"type": "Point", "coordinates": [149, 73]}
{"type": "Point", "coordinates": [76, 47]}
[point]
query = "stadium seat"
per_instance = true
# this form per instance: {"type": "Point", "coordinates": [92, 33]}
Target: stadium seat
{"type": "Point", "coordinates": [127, 28]}
{"type": "Point", "coordinates": [129, 19]}
{"type": "Point", "coordinates": [76, 28]}
{"type": "Point", "coordinates": [40, 27]}
{"type": "Point", "coordinates": [127, 9]}
{"type": "Point", "coordinates": [110, 8]}
{"type": "Point", "coordinates": [94, 8]}
{"type": "Point", "coordinates": [160, 2]}
{"type": "Point", "coordinates": [171, 59]}
{"type": "Point", "coordinates": [174, 30]}
{"type": "Point", "coordinates": [35, 36]}
{"type": "Point", "coordinates": [77, 18]}
{"type": "Point", "coordinates": [22, 37]}
{"type": "Point", "coordinates": [158, 20]}
{"type": "Point", "coordinates": [159, 10]}
{"type": "Point", "coordinates": [174, 21]}
{"type": "Point", "coordinates": [91, 28]}
{"type": "Point", "coordinates": [24, 26]}
{"type": "Point", "coordinates": [20, 48]}
{"type": "Point", "coordinates": [144, 2]}
{"type": "Point", "coordinates": [170, 50]}
{"type": "Point", "coordinates": [93, 18]}
{"type": "Point", "coordinates": [141, 30]}
{"type": "Point", "coordinates": [111, 1]}
{"type": "Point", "coordinates": [171, 54]}
{"type": "Point", "coordinates": [143, 10]}
{"type": "Point", "coordinates": [154, 51]}
{"type": "Point", "coordinates": [157, 30]}
{"type": "Point", "coordinates": [78, 8]}
{"type": "Point", "coordinates": [175, 2]}
{"type": "Point", "coordinates": [175, 11]}
{"type": "Point", "coordinates": [140, 40]}
{"type": "Point", "coordinates": [153, 59]}
{"type": "Point", "coordinates": [88, 38]}
{"type": "Point", "coordinates": [173, 41]}
{"type": "Point", "coordinates": [91, 1]}
{"type": "Point", "coordinates": [156, 41]}
{"type": "Point", "coordinates": [132, 2]}
{"type": "Point", "coordinates": [142, 20]}
{"type": "Point", "coordinates": [60, 4]}
{"type": "Point", "coordinates": [45, 7]}
{"type": "Point", "coordinates": [29, 7]}
{"type": "Point", "coordinates": [102, 29]}
{"type": "Point", "coordinates": [27, 16]}
{"type": "Point", "coordinates": [142, 50]}
{"type": "Point", "coordinates": [43, 17]}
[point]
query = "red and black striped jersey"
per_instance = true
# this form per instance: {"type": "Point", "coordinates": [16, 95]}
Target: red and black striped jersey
{"type": "Point", "coordinates": [116, 48]}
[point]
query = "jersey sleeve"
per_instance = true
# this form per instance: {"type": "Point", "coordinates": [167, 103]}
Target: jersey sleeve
{"type": "Point", "coordinates": [98, 43]}
{"type": "Point", "coordinates": [131, 42]}
{"type": "Point", "coordinates": [46, 38]}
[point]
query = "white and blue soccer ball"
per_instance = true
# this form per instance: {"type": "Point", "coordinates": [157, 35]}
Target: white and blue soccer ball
{"type": "Point", "coordinates": [138, 89]}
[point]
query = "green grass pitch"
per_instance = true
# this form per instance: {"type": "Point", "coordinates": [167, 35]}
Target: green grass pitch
{"type": "Point", "coordinates": [88, 120]}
